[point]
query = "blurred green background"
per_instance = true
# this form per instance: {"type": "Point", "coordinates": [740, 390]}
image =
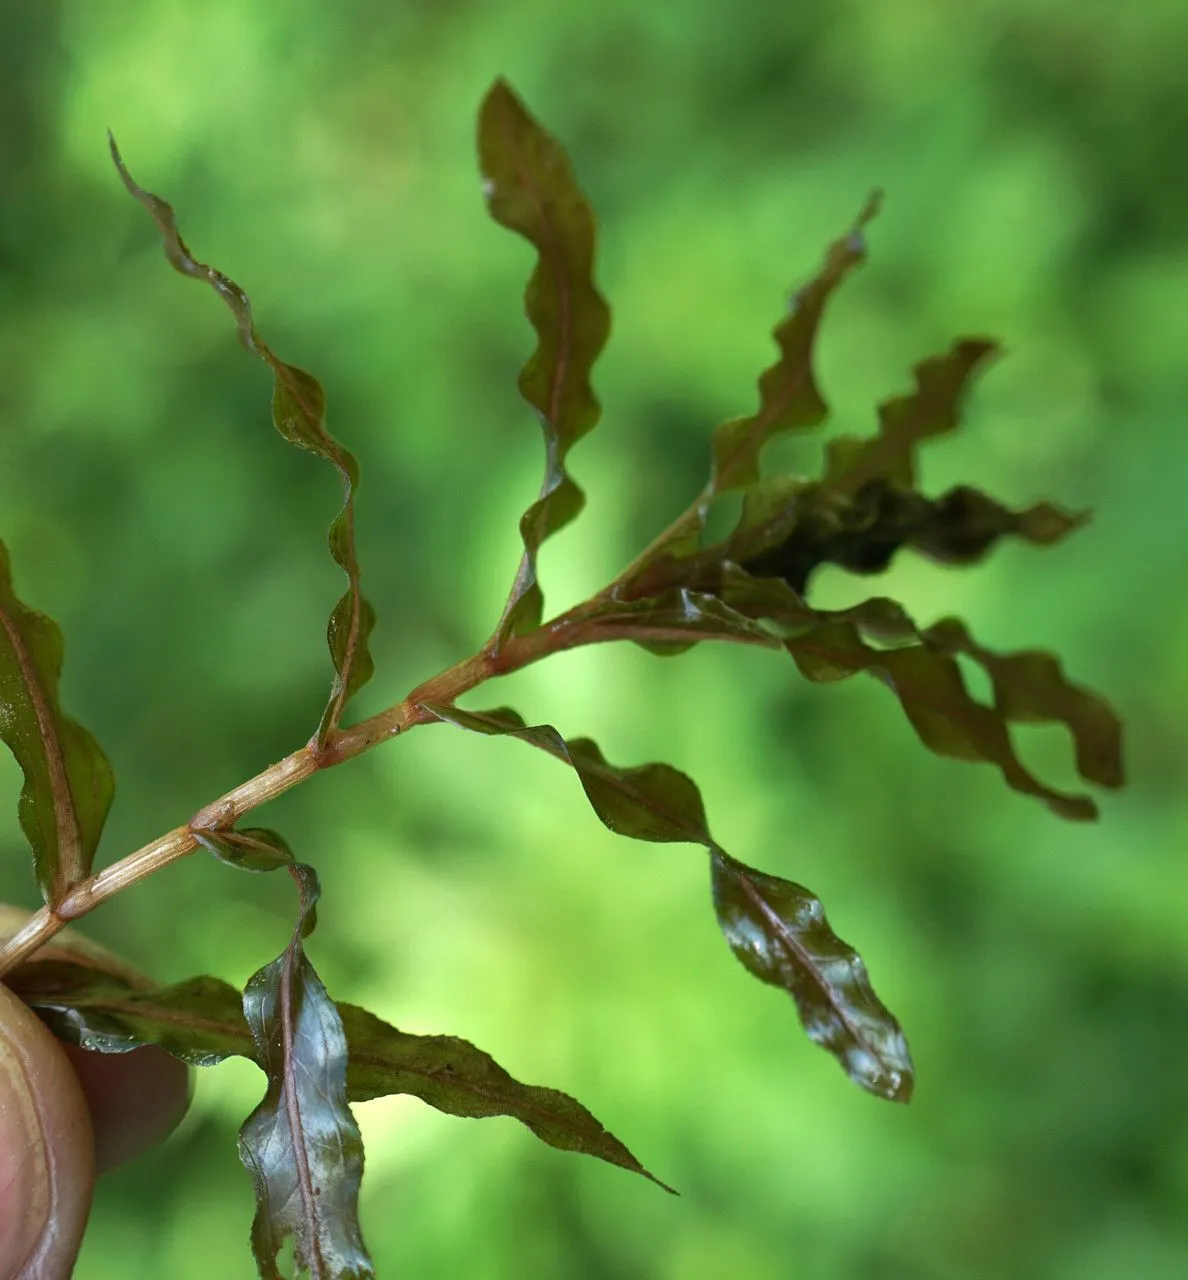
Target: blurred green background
{"type": "Point", "coordinates": [1032, 154]}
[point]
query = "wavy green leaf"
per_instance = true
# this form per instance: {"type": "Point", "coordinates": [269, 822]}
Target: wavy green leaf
{"type": "Point", "coordinates": [1031, 688]}
{"type": "Point", "coordinates": [202, 1022]}
{"type": "Point", "coordinates": [779, 931]}
{"type": "Point", "coordinates": [199, 1021]}
{"type": "Point", "coordinates": [531, 189]}
{"type": "Point", "coordinates": [68, 785]}
{"type": "Point", "coordinates": [932, 409]}
{"type": "Point", "coordinates": [301, 1145]}
{"type": "Point", "coordinates": [789, 398]}
{"type": "Point", "coordinates": [299, 414]}
{"type": "Point", "coordinates": [826, 978]}
{"type": "Point", "coordinates": [455, 1077]}
{"type": "Point", "coordinates": [878, 636]}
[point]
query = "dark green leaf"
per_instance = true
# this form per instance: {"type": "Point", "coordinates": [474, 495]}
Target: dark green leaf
{"type": "Point", "coordinates": [531, 189]}
{"type": "Point", "coordinates": [788, 394]}
{"type": "Point", "coordinates": [878, 636]}
{"type": "Point", "coordinates": [299, 414]}
{"type": "Point", "coordinates": [301, 1145]}
{"type": "Point", "coordinates": [789, 398]}
{"type": "Point", "coordinates": [1031, 688]}
{"type": "Point", "coordinates": [252, 849]}
{"type": "Point", "coordinates": [649, 802]}
{"type": "Point", "coordinates": [202, 1022]}
{"type": "Point", "coordinates": [658, 803]}
{"type": "Point", "coordinates": [455, 1077]}
{"type": "Point", "coordinates": [199, 1021]}
{"type": "Point", "coordinates": [931, 410]}
{"type": "Point", "coordinates": [779, 931]}
{"type": "Point", "coordinates": [68, 782]}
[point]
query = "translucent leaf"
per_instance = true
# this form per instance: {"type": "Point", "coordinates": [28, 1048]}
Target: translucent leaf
{"type": "Point", "coordinates": [299, 414]}
{"type": "Point", "coordinates": [932, 409]}
{"type": "Point", "coordinates": [68, 785]}
{"type": "Point", "coordinates": [455, 1077]}
{"type": "Point", "coordinates": [775, 927]}
{"type": "Point", "coordinates": [779, 931]}
{"type": "Point", "coordinates": [301, 1145]}
{"type": "Point", "coordinates": [531, 189]}
{"type": "Point", "coordinates": [202, 1022]}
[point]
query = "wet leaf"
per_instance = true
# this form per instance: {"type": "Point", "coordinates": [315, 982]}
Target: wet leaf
{"type": "Point", "coordinates": [455, 1077]}
{"type": "Point", "coordinates": [531, 189]}
{"type": "Point", "coordinates": [199, 1021]}
{"type": "Point", "coordinates": [301, 1145]}
{"type": "Point", "coordinates": [299, 414]}
{"type": "Point", "coordinates": [68, 784]}
{"type": "Point", "coordinates": [779, 931]}
{"type": "Point", "coordinates": [932, 409]}
{"type": "Point", "coordinates": [828, 980]}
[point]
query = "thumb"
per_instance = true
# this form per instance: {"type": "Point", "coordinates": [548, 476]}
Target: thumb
{"type": "Point", "coordinates": [46, 1150]}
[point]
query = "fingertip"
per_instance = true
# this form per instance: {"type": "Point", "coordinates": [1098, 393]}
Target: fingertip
{"type": "Point", "coordinates": [135, 1099]}
{"type": "Point", "coordinates": [47, 1168]}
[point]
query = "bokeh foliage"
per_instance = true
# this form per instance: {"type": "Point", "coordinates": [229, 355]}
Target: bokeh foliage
{"type": "Point", "coordinates": [324, 157]}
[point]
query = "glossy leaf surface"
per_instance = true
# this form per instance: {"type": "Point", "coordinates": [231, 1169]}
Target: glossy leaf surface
{"type": "Point", "coordinates": [199, 1021]}
{"type": "Point", "coordinates": [68, 785]}
{"type": "Point", "coordinates": [779, 931]}
{"type": "Point", "coordinates": [656, 802]}
{"type": "Point", "coordinates": [299, 414]}
{"type": "Point", "coordinates": [531, 189]}
{"type": "Point", "coordinates": [301, 1145]}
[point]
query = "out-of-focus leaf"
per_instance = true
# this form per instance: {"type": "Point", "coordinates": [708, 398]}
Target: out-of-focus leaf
{"type": "Point", "coordinates": [922, 673]}
{"type": "Point", "coordinates": [68, 785]}
{"type": "Point", "coordinates": [1031, 688]}
{"type": "Point", "coordinates": [531, 189]}
{"type": "Point", "coordinates": [779, 931]}
{"type": "Point", "coordinates": [299, 414]}
{"type": "Point", "coordinates": [455, 1077]}
{"type": "Point", "coordinates": [931, 410]}
{"type": "Point", "coordinates": [789, 398]}
{"type": "Point", "coordinates": [656, 802]}
{"type": "Point", "coordinates": [199, 1021]}
{"type": "Point", "coordinates": [788, 394]}
{"type": "Point", "coordinates": [817, 524]}
{"type": "Point", "coordinates": [301, 1145]}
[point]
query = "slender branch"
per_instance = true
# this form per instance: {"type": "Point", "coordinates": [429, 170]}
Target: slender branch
{"type": "Point", "coordinates": [227, 810]}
